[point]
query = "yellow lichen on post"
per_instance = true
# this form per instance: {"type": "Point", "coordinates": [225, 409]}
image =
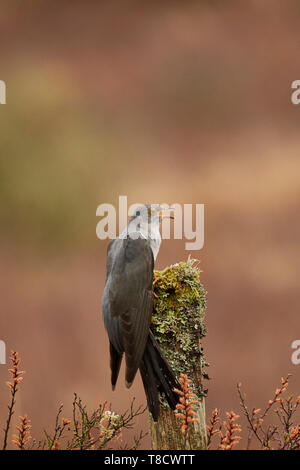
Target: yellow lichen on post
{"type": "Point", "coordinates": [177, 324]}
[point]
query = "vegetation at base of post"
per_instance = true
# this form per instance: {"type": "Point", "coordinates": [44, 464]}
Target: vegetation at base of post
{"type": "Point", "coordinates": [179, 308]}
{"type": "Point", "coordinates": [97, 429]}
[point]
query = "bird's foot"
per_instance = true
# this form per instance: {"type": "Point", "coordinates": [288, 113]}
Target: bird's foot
{"type": "Point", "coordinates": [153, 284]}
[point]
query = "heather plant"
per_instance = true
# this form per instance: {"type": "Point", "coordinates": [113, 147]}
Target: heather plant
{"type": "Point", "coordinates": [285, 435]}
{"type": "Point", "coordinates": [185, 408]}
{"type": "Point", "coordinates": [101, 428]}
{"type": "Point", "coordinates": [86, 430]}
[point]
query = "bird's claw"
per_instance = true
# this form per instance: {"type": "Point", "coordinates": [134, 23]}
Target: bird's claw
{"type": "Point", "coordinates": [153, 284]}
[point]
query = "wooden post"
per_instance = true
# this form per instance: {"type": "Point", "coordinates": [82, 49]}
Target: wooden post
{"type": "Point", "coordinates": [177, 325]}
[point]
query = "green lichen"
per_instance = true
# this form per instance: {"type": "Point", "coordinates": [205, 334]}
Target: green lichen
{"type": "Point", "coordinates": [177, 321]}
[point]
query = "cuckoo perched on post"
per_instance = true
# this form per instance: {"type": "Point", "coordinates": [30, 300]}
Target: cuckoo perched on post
{"type": "Point", "coordinates": [127, 307]}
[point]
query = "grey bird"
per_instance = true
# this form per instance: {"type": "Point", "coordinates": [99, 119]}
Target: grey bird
{"type": "Point", "coordinates": [127, 306]}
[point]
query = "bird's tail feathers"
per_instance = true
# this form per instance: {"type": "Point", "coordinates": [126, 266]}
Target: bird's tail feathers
{"type": "Point", "coordinates": [157, 377]}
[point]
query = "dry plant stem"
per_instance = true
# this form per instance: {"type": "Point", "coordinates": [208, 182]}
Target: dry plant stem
{"type": "Point", "coordinates": [285, 436]}
{"type": "Point", "coordinates": [91, 430]}
{"type": "Point", "coordinates": [227, 431]}
{"type": "Point", "coordinates": [87, 431]}
{"type": "Point", "coordinates": [185, 409]}
{"type": "Point", "coordinates": [23, 433]}
{"type": "Point", "coordinates": [16, 379]}
{"type": "Point", "coordinates": [211, 429]}
{"type": "Point", "coordinates": [10, 413]}
{"type": "Point", "coordinates": [230, 439]}
{"type": "Point", "coordinates": [53, 442]}
{"type": "Point", "coordinates": [253, 429]}
{"type": "Point", "coordinates": [95, 430]}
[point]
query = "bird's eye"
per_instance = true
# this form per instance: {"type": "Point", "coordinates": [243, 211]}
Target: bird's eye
{"type": "Point", "coordinates": [138, 213]}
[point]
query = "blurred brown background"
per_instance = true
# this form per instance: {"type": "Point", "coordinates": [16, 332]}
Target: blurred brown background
{"type": "Point", "coordinates": [173, 101]}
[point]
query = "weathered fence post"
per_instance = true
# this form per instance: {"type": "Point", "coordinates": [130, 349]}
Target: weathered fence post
{"type": "Point", "coordinates": [177, 325]}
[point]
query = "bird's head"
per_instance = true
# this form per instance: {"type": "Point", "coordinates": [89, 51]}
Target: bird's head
{"type": "Point", "coordinates": [151, 214]}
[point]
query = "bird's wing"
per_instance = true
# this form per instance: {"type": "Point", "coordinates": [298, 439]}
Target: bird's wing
{"type": "Point", "coordinates": [111, 250]}
{"type": "Point", "coordinates": [131, 298]}
{"type": "Point", "coordinates": [112, 324]}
